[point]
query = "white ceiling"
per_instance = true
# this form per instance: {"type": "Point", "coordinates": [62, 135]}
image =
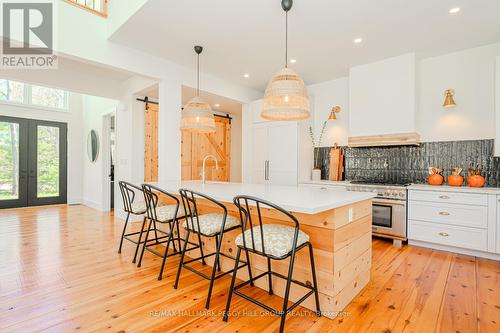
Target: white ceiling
{"type": "Point", "coordinates": [247, 36]}
{"type": "Point", "coordinates": [218, 103]}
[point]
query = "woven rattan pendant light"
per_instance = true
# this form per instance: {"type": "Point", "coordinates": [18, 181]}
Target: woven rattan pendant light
{"type": "Point", "coordinates": [197, 115]}
{"type": "Point", "coordinates": [286, 95]}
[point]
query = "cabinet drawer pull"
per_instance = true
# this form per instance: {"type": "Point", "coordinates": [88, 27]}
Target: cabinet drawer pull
{"type": "Point", "coordinates": [444, 197]}
{"type": "Point", "coordinates": [444, 234]}
{"type": "Point", "coordinates": [323, 188]}
{"type": "Point", "coordinates": [444, 213]}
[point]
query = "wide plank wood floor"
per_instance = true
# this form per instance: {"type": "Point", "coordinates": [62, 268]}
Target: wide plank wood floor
{"type": "Point", "coordinates": [60, 272]}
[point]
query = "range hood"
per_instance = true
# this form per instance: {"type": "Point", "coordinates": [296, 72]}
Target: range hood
{"type": "Point", "coordinates": [400, 139]}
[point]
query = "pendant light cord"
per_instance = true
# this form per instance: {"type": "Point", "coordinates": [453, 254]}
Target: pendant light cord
{"type": "Point", "coordinates": [198, 76]}
{"type": "Point", "coordinates": [286, 39]}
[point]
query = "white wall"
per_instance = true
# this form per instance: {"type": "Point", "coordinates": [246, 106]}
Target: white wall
{"type": "Point", "coordinates": [323, 97]}
{"type": "Point", "coordinates": [93, 173]}
{"type": "Point", "coordinates": [73, 118]}
{"type": "Point", "coordinates": [382, 96]}
{"type": "Point", "coordinates": [472, 74]}
{"type": "Point", "coordinates": [497, 107]}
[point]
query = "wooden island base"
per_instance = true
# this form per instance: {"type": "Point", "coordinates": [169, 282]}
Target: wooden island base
{"type": "Point", "coordinates": [341, 239]}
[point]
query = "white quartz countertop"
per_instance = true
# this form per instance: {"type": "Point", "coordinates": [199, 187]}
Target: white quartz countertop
{"type": "Point", "coordinates": [293, 198]}
{"type": "Point", "coordinates": [447, 188]}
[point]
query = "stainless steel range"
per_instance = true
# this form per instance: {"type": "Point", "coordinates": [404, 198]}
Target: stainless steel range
{"type": "Point", "coordinates": [389, 208]}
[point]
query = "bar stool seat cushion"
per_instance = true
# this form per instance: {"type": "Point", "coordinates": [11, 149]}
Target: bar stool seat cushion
{"type": "Point", "coordinates": [138, 207]}
{"type": "Point", "coordinates": [211, 224]}
{"type": "Point", "coordinates": [166, 213]}
{"type": "Point", "coordinates": [278, 239]}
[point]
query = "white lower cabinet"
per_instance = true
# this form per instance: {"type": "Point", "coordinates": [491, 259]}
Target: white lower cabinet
{"type": "Point", "coordinates": [463, 222]}
{"type": "Point", "coordinates": [497, 215]}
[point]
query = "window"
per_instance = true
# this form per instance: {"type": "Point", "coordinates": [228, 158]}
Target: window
{"type": "Point", "coordinates": [11, 91]}
{"type": "Point", "coordinates": [48, 97]}
{"type": "Point", "coordinates": [22, 93]}
{"type": "Point", "coordinates": [99, 7]}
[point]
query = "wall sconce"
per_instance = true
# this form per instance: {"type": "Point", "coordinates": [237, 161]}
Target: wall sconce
{"type": "Point", "coordinates": [333, 113]}
{"type": "Point", "coordinates": [449, 102]}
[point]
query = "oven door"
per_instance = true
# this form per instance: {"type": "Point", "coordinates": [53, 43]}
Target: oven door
{"type": "Point", "coordinates": [389, 218]}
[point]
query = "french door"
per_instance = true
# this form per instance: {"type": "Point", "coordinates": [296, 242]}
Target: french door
{"type": "Point", "coordinates": [33, 162]}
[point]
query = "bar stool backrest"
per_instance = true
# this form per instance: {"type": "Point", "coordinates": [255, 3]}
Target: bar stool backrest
{"type": "Point", "coordinates": [128, 191]}
{"type": "Point", "coordinates": [152, 200]}
{"type": "Point", "coordinates": [189, 199]}
{"type": "Point", "coordinates": [248, 205]}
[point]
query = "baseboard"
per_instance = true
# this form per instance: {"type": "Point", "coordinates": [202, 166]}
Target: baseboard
{"type": "Point", "coordinates": [93, 204]}
{"type": "Point", "coordinates": [454, 249]}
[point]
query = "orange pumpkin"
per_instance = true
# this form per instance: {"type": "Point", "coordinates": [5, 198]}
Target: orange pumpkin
{"type": "Point", "coordinates": [455, 180]}
{"type": "Point", "coordinates": [435, 179]}
{"type": "Point", "coordinates": [476, 181]}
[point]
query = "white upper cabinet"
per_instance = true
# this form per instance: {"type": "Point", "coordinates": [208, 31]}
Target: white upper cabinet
{"type": "Point", "coordinates": [256, 109]}
{"type": "Point", "coordinates": [497, 107]}
{"type": "Point", "coordinates": [382, 97]}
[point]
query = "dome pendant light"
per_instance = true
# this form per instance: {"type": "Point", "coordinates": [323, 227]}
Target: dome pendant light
{"type": "Point", "coordinates": [197, 115]}
{"type": "Point", "coordinates": [286, 95]}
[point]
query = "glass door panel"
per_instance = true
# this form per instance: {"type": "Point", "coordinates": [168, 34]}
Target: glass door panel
{"type": "Point", "coordinates": [13, 163]}
{"type": "Point", "coordinates": [9, 160]}
{"type": "Point", "coordinates": [47, 161]}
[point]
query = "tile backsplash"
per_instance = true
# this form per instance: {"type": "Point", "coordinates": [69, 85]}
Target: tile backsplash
{"type": "Point", "coordinates": [410, 163]}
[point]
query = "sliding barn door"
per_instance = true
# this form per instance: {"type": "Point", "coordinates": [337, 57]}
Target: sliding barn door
{"type": "Point", "coordinates": [151, 143]}
{"type": "Point", "coordinates": [195, 146]}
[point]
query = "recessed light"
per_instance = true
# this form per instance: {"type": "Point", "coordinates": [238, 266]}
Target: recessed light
{"type": "Point", "coordinates": [358, 40]}
{"type": "Point", "coordinates": [454, 10]}
{"type": "Point", "coordinates": [246, 76]}
{"type": "Point", "coordinates": [293, 61]}
{"type": "Point", "coordinates": [217, 105]}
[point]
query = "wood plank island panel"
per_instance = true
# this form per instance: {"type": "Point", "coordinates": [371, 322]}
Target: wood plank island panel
{"type": "Point", "coordinates": [61, 273]}
{"type": "Point", "coordinates": [331, 234]}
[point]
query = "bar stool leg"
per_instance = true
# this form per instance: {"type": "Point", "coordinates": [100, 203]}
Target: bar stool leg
{"type": "Point", "coordinates": [139, 240]}
{"type": "Point", "coordinates": [249, 268]}
{"type": "Point", "coordinates": [214, 268]}
{"type": "Point", "coordinates": [231, 287]}
{"type": "Point", "coordinates": [201, 250]}
{"type": "Point", "coordinates": [287, 292]}
{"type": "Point", "coordinates": [182, 259]}
{"type": "Point", "coordinates": [269, 276]}
{"type": "Point", "coordinates": [170, 238]}
{"type": "Point", "coordinates": [145, 242]}
{"type": "Point", "coordinates": [315, 284]}
{"type": "Point", "coordinates": [123, 232]}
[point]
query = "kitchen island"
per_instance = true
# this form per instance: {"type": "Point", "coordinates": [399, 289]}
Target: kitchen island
{"type": "Point", "coordinates": [339, 225]}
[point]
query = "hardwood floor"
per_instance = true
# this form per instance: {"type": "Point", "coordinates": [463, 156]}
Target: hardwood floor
{"type": "Point", "coordinates": [60, 272]}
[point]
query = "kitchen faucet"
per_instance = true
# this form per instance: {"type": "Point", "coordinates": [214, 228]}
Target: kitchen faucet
{"type": "Point", "coordinates": [203, 167]}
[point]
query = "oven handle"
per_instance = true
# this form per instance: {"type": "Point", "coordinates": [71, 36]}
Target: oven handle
{"type": "Point", "coordinates": [389, 202]}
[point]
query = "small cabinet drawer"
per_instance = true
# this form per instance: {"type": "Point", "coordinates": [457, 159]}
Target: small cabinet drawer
{"type": "Point", "coordinates": [463, 215]}
{"type": "Point", "coordinates": [449, 197]}
{"type": "Point", "coordinates": [468, 238]}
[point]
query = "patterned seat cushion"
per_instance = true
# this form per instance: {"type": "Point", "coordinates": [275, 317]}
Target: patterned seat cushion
{"type": "Point", "coordinates": [139, 207]}
{"type": "Point", "coordinates": [211, 224]}
{"type": "Point", "coordinates": [166, 213]}
{"type": "Point", "coordinates": [278, 239]}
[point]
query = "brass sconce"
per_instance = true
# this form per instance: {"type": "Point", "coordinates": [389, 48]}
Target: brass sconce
{"type": "Point", "coordinates": [333, 113]}
{"type": "Point", "coordinates": [449, 102]}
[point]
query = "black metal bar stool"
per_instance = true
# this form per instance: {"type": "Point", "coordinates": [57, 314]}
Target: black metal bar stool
{"type": "Point", "coordinates": [275, 242]}
{"type": "Point", "coordinates": [168, 215]}
{"type": "Point", "coordinates": [134, 207]}
{"type": "Point", "coordinates": [208, 225]}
